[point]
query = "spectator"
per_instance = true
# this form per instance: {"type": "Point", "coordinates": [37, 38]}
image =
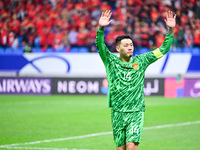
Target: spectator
{"type": "Point", "coordinates": [92, 37]}
{"type": "Point", "coordinates": [188, 38]}
{"type": "Point", "coordinates": [137, 39]}
{"type": "Point", "coordinates": [82, 37]}
{"type": "Point", "coordinates": [105, 6]}
{"type": "Point", "coordinates": [58, 39]}
{"type": "Point", "coordinates": [35, 21]}
{"type": "Point", "coordinates": [145, 35]}
{"type": "Point", "coordinates": [11, 37]}
{"type": "Point", "coordinates": [197, 8]}
{"type": "Point", "coordinates": [66, 41]}
{"type": "Point", "coordinates": [196, 37]}
{"type": "Point", "coordinates": [24, 37]}
{"type": "Point", "coordinates": [180, 37]}
{"type": "Point", "coordinates": [15, 24]}
{"type": "Point", "coordinates": [96, 13]}
{"type": "Point", "coordinates": [159, 39]}
{"type": "Point", "coordinates": [154, 14]}
{"type": "Point", "coordinates": [73, 37]}
{"type": "Point", "coordinates": [15, 43]}
{"type": "Point", "coordinates": [3, 36]}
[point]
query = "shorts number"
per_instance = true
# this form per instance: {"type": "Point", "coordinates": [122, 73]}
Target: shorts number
{"type": "Point", "coordinates": [135, 130]}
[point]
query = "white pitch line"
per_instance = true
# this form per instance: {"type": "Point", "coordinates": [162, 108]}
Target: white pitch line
{"type": "Point", "coordinates": [44, 148]}
{"type": "Point", "coordinates": [98, 134]}
{"type": "Point", "coordinates": [56, 140]}
{"type": "Point", "coordinates": [172, 125]}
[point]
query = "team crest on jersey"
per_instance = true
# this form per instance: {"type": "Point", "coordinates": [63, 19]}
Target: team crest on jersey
{"type": "Point", "coordinates": [135, 66]}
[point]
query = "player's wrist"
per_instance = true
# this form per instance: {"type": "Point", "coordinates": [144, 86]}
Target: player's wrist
{"type": "Point", "coordinates": [101, 27]}
{"type": "Point", "coordinates": [170, 30]}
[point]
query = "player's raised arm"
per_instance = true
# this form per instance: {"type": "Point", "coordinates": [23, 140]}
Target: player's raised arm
{"type": "Point", "coordinates": [165, 47]}
{"type": "Point", "coordinates": [103, 22]}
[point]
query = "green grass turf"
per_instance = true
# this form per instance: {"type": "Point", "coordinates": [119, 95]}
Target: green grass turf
{"type": "Point", "coordinates": [37, 118]}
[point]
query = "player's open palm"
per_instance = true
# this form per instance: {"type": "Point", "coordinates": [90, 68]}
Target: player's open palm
{"type": "Point", "coordinates": [105, 18]}
{"type": "Point", "coordinates": [170, 19]}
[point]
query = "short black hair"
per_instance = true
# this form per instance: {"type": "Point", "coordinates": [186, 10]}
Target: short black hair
{"type": "Point", "coordinates": [121, 37]}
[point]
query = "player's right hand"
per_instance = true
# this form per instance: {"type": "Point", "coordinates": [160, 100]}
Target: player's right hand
{"type": "Point", "coordinates": [170, 19]}
{"type": "Point", "coordinates": [104, 19]}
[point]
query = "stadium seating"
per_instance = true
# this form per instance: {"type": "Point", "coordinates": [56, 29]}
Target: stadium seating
{"type": "Point", "coordinates": [9, 50]}
{"type": "Point", "coordinates": [2, 50]}
{"type": "Point", "coordinates": [178, 50]}
{"type": "Point", "coordinates": [195, 50]}
{"type": "Point", "coordinates": [74, 50]}
{"type": "Point", "coordinates": [187, 50]}
{"type": "Point", "coordinates": [137, 51]}
{"type": "Point", "coordinates": [33, 30]}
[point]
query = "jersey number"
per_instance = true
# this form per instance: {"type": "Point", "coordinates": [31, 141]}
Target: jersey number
{"type": "Point", "coordinates": [127, 76]}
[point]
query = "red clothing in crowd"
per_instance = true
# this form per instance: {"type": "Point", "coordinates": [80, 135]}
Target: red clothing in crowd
{"type": "Point", "coordinates": [11, 37]}
{"type": "Point", "coordinates": [69, 6]}
{"type": "Point", "coordinates": [39, 25]}
{"type": "Point", "coordinates": [43, 36]}
{"type": "Point", "coordinates": [48, 23]}
{"type": "Point", "coordinates": [38, 7]}
{"type": "Point", "coordinates": [3, 37]}
{"type": "Point", "coordinates": [91, 4]}
{"type": "Point", "coordinates": [50, 38]}
{"type": "Point", "coordinates": [81, 22]}
{"type": "Point", "coordinates": [184, 19]}
{"type": "Point", "coordinates": [44, 18]}
{"type": "Point", "coordinates": [82, 37]}
{"type": "Point", "coordinates": [15, 26]}
{"type": "Point", "coordinates": [58, 43]}
{"type": "Point", "coordinates": [145, 39]}
{"type": "Point", "coordinates": [93, 33]}
{"type": "Point", "coordinates": [159, 39]}
{"type": "Point", "coordinates": [32, 12]}
{"type": "Point", "coordinates": [137, 40]}
{"type": "Point", "coordinates": [110, 38]}
{"type": "Point", "coordinates": [79, 6]}
{"type": "Point", "coordinates": [196, 39]}
{"type": "Point", "coordinates": [118, 15]}
{"type": "Point", "coordinates": [105, 6]}
{"type": "Point", "coordinates": [154, 14]}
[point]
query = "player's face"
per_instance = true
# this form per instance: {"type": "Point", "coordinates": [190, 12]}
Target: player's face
{"type": "Point", "coordinates": [126, 48]}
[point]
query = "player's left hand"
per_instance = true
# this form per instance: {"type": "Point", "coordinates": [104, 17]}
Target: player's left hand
{"type": "Point", "coordinates": [170, 19]}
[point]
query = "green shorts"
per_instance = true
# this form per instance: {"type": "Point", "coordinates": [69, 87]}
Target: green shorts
{"type": "Point", "coordinates": [127, 127]}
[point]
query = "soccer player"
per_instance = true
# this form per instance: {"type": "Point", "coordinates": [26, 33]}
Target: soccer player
{"type": "Point", "coordinates": [125, 76]}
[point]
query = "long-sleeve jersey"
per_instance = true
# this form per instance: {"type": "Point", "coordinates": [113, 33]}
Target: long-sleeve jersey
{"type": "Point", "coordinates": [126, 79]}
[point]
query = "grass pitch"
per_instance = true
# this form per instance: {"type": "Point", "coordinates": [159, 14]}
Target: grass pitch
{"type": "Point", "coordinates": [83, 123]}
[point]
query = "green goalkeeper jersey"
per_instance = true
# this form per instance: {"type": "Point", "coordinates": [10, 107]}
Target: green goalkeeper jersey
{"type": "Point", "coordinates": [126, 79]}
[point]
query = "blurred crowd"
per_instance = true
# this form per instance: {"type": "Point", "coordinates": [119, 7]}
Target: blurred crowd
{"type": "Point", "coordinates": [64, 24]}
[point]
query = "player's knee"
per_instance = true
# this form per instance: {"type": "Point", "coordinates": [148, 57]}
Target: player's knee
{"type": "Point", "coordinates": [132, 146]}
{"type": "Point", "coordinates": [121, 147]}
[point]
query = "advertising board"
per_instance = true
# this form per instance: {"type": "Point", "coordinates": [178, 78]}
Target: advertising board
{"type": "Point", "coordinates": [71, 86]}
{"type": "Point", "coordinates": [192, 88]}
{"type": "Point", "coordinates": [25, 85]}
{"type": "Point", "coordinates": [99, 86]}
{"type": "Point", "coordinates": [154, 86]}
